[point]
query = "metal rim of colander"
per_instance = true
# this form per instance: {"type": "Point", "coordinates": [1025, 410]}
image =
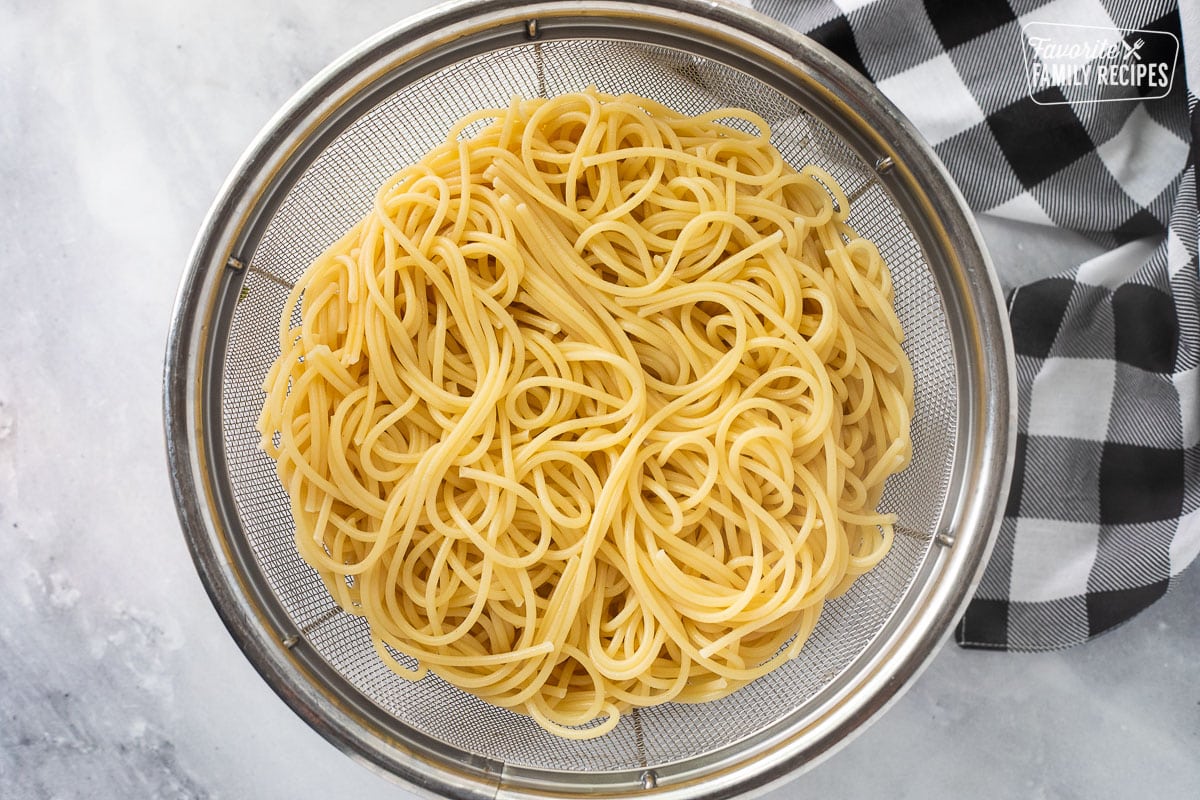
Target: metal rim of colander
{"type": "Point", "coordinates": [439, 38]}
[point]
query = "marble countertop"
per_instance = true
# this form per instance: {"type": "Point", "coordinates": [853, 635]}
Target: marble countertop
{"type": "Point", "coordinates": [118, 123]}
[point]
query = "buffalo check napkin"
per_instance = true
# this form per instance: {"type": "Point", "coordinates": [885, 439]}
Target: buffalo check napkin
{"type": "Point", "coordinates": [1077, 115]}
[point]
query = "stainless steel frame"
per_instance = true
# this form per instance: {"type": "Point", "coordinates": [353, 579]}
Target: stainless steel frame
{"type": "Point", "coordinates": [868, 124]}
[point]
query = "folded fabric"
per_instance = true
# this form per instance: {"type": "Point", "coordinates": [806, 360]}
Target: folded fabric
{"type": "Point", "coordinates": [1104, 511]}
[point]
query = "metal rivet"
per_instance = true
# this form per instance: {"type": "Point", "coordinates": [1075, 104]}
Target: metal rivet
{"type": "Point", "coordinates": [944, 539]}
{"type": "Point", "coordinates": [531, 28]}
{"type": "Point", "coordinates": [291, 641]}
{"type": "Point", "coordinates": [649, 779]}
{"type": "Point", "coordinates": [235, 263]}
{"type": "Point", "coordinates": [884, 164]}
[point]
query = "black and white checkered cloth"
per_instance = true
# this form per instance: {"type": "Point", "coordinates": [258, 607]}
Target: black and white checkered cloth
{"type": "Point", "coordinates": [1104, 511]}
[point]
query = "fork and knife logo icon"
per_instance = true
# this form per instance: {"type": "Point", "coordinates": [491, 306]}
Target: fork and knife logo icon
{"type": "Point", "coordinates": [1132, 49]}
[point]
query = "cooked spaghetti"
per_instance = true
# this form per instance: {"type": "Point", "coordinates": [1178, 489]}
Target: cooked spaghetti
{"type": "Point", "coordinates": [593, 409]}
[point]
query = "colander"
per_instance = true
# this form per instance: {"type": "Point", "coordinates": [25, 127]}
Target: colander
{"type": "Point", "coordinates": [312, 173]}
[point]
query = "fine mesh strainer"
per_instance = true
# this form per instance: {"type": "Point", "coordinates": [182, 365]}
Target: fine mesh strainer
{"type": "Point", "coordinates": [313, 172]}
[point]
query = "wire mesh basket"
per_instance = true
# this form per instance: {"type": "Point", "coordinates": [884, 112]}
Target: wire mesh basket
{"type": "Point", "coordinates": [313, 172]}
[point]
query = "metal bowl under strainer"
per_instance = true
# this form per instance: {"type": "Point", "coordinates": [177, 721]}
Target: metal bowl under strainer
{"type": "Point", "coordinates": [313, 172]}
